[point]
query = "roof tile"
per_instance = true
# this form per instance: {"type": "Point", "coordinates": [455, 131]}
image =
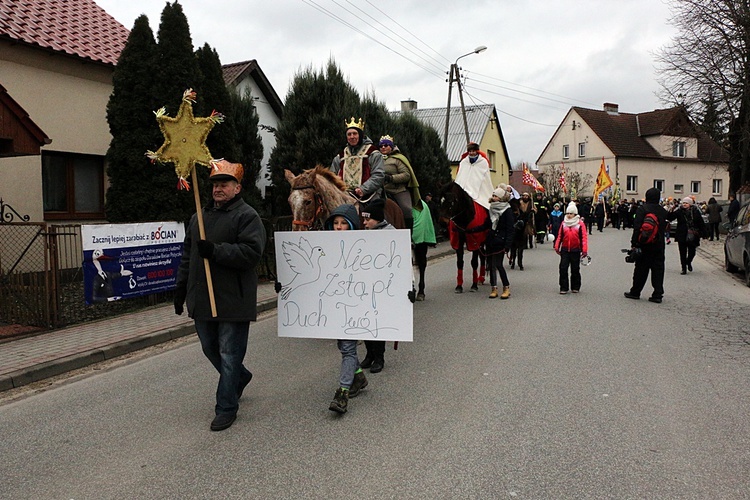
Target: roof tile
{"type": "Point", "coordinates": [75, 27]}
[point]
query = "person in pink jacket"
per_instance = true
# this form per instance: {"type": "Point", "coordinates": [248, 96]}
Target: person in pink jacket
{"type": "Point", "coordinates": [571, 244]}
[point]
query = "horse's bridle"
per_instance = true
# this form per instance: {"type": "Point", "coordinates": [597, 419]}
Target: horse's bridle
{"type": "Point", "coordinates": [318, 208]}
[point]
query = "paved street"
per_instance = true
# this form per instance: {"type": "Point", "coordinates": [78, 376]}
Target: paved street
{"type": "Point", "coordinates": [541, 396]}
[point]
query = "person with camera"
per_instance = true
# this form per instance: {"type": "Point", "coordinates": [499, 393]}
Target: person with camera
{"type": "Point", "coordinates": [648, 257]}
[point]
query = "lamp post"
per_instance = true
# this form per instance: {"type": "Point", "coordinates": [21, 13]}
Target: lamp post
{"type": "Point", "coordinates": [453, 76]}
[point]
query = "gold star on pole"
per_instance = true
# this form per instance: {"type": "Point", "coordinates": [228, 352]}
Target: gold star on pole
{"type": "Point", "coordinates": [185, 139]}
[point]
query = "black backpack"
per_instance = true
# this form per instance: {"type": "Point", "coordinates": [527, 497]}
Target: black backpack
{"type": "Point", "coordinates": [649, 229]}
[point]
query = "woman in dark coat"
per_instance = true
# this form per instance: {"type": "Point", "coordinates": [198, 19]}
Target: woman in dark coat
{"type": "Point", "coordinates": [500, 220]}
{"type": "Point", "coordinates": [690, 227]}
{"type": "Point", "coordinates": [714, 218]}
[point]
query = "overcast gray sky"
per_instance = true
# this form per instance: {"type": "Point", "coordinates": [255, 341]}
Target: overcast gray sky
{"type": "Point", "coordinates": [542, 57]}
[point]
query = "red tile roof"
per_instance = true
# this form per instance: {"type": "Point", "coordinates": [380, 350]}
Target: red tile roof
{"type": "Point", "coordinates": [625, 133]}
{"type": "Point", "coordinates": [75, 27]}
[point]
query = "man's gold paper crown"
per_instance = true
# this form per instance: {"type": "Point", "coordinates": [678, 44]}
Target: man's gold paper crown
{"type": "Point", "coordinates": [360, 124]}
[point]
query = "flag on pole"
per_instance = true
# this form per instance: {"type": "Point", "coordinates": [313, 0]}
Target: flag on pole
{"type": "Point", "coordinates": [530, 180]}
{"type": "Point", "coordinates": [603, 181]}
{"type": "Point", "coordinates": [563, 184]}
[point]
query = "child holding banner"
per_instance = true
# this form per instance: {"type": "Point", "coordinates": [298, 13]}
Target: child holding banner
{"type": "Point", "coordinates": [352, 379]}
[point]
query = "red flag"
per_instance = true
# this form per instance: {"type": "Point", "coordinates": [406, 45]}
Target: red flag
{"type": "Point", "coordinates": [563, 185]}
{"type": "Point", "coordinates": [530, 180]}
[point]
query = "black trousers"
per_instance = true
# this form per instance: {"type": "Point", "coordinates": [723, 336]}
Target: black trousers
{"type": "Point", "coordinates": [570, 260]}
{"type": "Point", "coordinates": [375, 349]}
{"type": "Point", "coordinates": [687, 253]}
{"type": "Point", "coordinates": [652, 260]}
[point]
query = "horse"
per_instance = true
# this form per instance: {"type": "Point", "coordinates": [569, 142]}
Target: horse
{"type": "Point", "coordinates": [317, 191]}
{"type": "Point", "coordinates": [466, 227]}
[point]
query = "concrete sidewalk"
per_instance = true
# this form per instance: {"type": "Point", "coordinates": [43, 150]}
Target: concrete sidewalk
{"type": "Point", "coordinates": [30, 359]}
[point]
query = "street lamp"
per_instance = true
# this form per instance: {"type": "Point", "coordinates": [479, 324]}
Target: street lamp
{"type": "Point", "coordinates": [453, 76]}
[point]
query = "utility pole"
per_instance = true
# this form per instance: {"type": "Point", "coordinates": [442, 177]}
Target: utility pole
{"type": "Point", "coordinates": [453, 76]}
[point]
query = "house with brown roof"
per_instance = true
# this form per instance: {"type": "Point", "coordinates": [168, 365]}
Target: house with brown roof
{"type": "Point", "coordinates": [483, 127]}
{"type": "Point", "coordinates": [247, 76]}
{"type": "Point", "coordinates": [56, 63]}
{"type": "Point", "coordinates": [660, 148]}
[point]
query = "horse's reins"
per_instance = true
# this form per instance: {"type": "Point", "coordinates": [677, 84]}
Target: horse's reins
{"type": "Point", "coordinates": [318, 208]}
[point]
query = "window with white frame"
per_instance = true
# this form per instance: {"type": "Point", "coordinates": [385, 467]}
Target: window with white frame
{"type": "Point", "coordinates": [631, 185]}
{"type": "Point", "coordinates": [659, 184]}
{"type": "Point", "coordinates": [678, 149]}
{"type": "Point", "coordinates": [581, 150]}
{"type": "Point", "coordinates": [716, 186]}
{"type": "Point", "coordinates": [566, 151]}
{"type": "Point", "coordinates": [72, 186]}
{"type": "Point", "coordinates": [493, 159]}
{"type": "Point", "coordinates": [695, 187]}
{"type": "Point", "coordinates": [678, 188]}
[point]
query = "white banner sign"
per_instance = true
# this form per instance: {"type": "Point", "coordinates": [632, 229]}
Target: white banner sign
{"type": "Point", "coordinates": [345, 284]}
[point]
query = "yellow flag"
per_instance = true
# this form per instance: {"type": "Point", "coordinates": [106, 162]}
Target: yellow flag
{"type": "Point", "coordinates": [603, 181]}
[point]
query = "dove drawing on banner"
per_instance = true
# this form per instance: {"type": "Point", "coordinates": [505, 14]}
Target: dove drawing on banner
{"type": "Point", "coordinates": [303, 260]}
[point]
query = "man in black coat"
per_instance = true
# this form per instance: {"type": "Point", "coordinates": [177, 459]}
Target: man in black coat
{"type": "Point", "coordinates": [652, 254]}
{"type": "Point", "coordinates": [233, 245]}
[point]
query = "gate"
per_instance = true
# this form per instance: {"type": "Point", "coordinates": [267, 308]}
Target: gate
{"type": "Point", "coordinates": [24, 283]}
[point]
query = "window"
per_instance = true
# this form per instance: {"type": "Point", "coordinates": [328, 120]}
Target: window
{"type": "Point", "coordinates": [566, 151]}
{"type": "Point", "coordinates": [678, 149]}
{"type": "Point", "coordinates": [678, 188]}
{"type": "Point", "coordinates": [695, 187]}
{"type": "Point", "coordinates": [581, 150]}
{"type": "Point", "coordinates": [72, 186]}
{"type": "Point", "coordinates": [632, 184]}
{"type": "Point", "coordinates": [492, 156]}
{"type": "Point", "coordinates": [716, 186]}
{"type": "Point", "coordinates": [659, 184]}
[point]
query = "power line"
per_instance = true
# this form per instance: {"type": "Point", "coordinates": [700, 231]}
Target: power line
{"type": "Point", "coordinates": [522, 92]}
{"type": "Point", "coordinates": [330, 14]}
{"type": "Point", "coordinates": [513, 97]}
{"type": "Point", "coordinates": [474, 99]}
{"type": "Point", "coordinates": [532, 88]}
{"type": "Point", "coordinates": [412, 34]}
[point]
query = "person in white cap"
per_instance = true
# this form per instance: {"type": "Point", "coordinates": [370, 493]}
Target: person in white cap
{"type": "Point", "coordinates": [499, 239]}
{"type": "Point", "coordinates": [571, 244]}
{"type": "Point", "coordinates": [690, 228]}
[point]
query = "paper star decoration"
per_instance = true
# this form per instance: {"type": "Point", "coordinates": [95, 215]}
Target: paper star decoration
{"type": "Point", "coordinates": [184, 139]}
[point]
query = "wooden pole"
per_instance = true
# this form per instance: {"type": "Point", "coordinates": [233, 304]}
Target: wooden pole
{"type": "Point", "coordinates": [202, 233]}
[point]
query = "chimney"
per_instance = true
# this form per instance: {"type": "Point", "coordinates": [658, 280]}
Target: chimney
{"type": "Point", "coordinates": [611, 108]}
{"type": "Point", "coordinates": [408, 105]}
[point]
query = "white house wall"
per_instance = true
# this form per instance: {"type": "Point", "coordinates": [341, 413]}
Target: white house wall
{"type": "Point", "coordinates": [67, 99]}
{"type": "Point", "coordinates": [266, 118]}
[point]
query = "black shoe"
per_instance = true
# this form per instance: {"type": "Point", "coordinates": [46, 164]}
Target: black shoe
{"type": "Point", "coordinates": [420, 297]}
{"type": "Point", "coordinates": [243, 384]}
{"type": "Point", "coordinates": [459, 289]}
{"type": "Point", "coordinates": [474, 287]}
{"type": "Point", "coordinates": [520, 267]}
{"type": "Point", "coordinates": [683, 272]}
{"type": "Point", "coordinates": [340, 401]}
{"type": "Point", "coordinates": [360, 382]}
{"type": "Point", "coordinates": [366, 363]}
{"type": "Point", "coordinates": [632, 296]}
{"type": "Point", "coordinates": [657, 300]}
{"type": "Point", "coordinates": [223, 421]}
{"type": "Point", "coordinates": [690, 268]}
{"type": "Point", "coordinates": [377, 366]}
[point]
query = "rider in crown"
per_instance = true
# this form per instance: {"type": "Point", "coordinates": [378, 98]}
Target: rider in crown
{"type": "Point", "coordinates": [360, 164]}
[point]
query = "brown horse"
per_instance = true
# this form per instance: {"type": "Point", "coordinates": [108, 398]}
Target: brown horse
{"type": "Point", "coordinates": [317, 191]}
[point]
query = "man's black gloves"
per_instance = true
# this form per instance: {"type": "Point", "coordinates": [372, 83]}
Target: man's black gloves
{"type": "Point", "coordinates": [412, 295]}
{"type": "Point", "coordinates": [277, 286]}
{"type": "Point", "coordinates": [388, 178]}
{"type": "Point", "coordinates": [180, 293]}
{"type": "Point", "coordinates": [205, 249]}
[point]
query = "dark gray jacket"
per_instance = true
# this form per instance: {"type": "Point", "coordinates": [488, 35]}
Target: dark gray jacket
{"type": "Point", "coordinates": [239, 238]}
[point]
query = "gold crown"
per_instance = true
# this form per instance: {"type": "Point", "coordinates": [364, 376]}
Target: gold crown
{"type": "Point", "coordinates": [386, 138]}
{"type": "Point", "coordinates": [360, 124]}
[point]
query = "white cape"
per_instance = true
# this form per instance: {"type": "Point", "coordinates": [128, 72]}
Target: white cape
{"type": "Point", "coordinates": [474, 178]}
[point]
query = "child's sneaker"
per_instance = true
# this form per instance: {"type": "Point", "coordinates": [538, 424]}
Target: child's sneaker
{"type": "Point", "coordinates": [360, 382]}
{"type": "Point", "coordinates": [340, 401]}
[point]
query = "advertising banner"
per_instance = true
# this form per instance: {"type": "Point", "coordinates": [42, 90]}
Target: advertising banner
{"type": "Point", "coordinates": [128, 260]}
{"type": "Point", "coordinates": [345, 284]}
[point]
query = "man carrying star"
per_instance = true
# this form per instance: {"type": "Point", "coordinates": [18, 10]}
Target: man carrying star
{"type": "Point", "coordinates": [234, 243]}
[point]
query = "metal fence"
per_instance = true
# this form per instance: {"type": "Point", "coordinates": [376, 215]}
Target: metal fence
{"type": "Point", "coordinates": [41, 275]}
